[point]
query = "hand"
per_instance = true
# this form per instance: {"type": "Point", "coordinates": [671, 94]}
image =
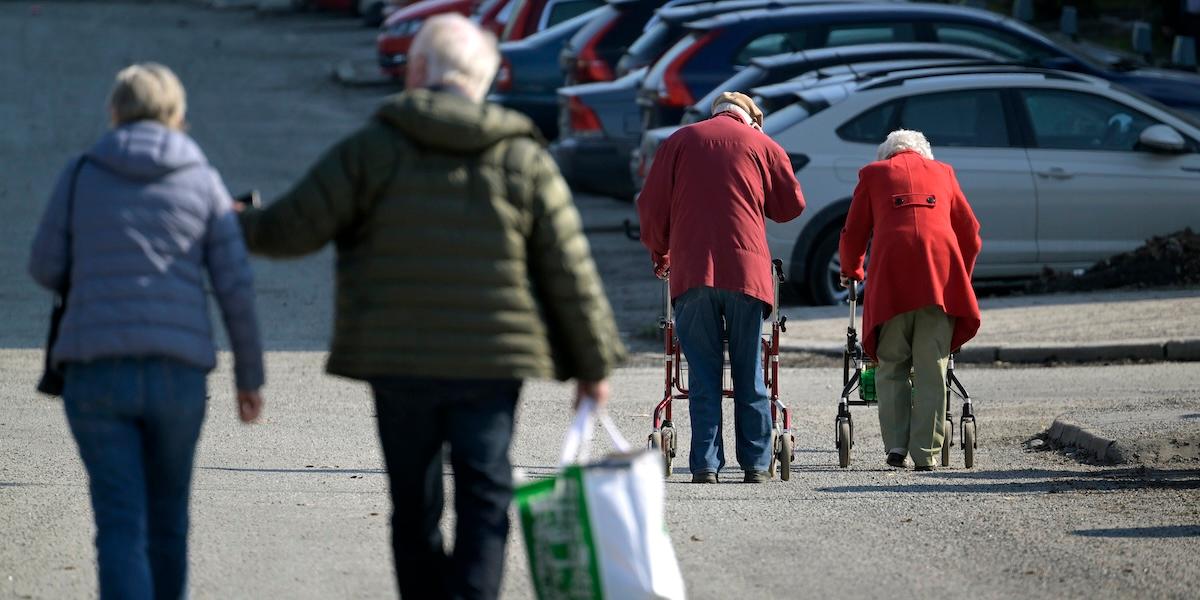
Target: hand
{"type": "Point", "coordinates": [596, 390]}
{"type": "Point", "coordinates": [845, 281]}
{"type": "Point", "coordinates": [661, 270]}
{"type": "Point", "coordinates": [250, 405]}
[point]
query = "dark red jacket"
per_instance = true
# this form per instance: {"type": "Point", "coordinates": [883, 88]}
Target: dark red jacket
{"type": "Point", "coordinates": [926, 239]}
{"type": "Point", "coordinates": [703, 206]}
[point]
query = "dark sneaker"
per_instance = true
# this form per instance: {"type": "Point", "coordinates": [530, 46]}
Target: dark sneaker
{"type": "Point", "coordinates": [924, 468]}
{"type": "Point", "coordinates": [705, 477]}
{"type": "Point", "coordinates": [756, 477]}
{"type": "Point", "coordinates": [895, 459]}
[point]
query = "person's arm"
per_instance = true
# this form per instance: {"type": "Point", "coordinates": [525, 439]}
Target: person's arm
{"type": "Point", "coordinates": [331, 196]}
{"type": "Point", "coordinates": [567, 283]}
{"type": "Point", "coordinates": [852, 248]}
{"type": "Point", "coordinates": [228, 267]}
{"type": "Point", "coordinates": [654, 206]}
{"type": "Point", "coordinates": [783, 200]}
{"type": "Point", "coordinates": [49, 255]}
{"type": "Point", "coordinates": [965, 225]}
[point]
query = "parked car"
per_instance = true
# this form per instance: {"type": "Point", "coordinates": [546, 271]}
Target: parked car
{"type": "Point", "coordinates": [599, 124]}
{"type": "Point", "coordinates": [402, 26]}
{"type": "Point", "coordinates": [591, 54]}
{"type": "Point", "coordinates": [529, 74]}
{"type": "Point", "coordinates": [779, 68]}
{"type": "Point", "coordinates": [1062, 169]}
{"type": "Point", "coordinates": [533, 16]}
{"type": "Point", "coordinates": [717, 47]}
{"type": "Point", "coordinates": [493, 15]}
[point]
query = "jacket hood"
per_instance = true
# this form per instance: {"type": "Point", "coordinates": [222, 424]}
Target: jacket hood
{"type": "Point", "coordinates": [447, 122]}
{"type": "Point", "coordinates": [146, 150]}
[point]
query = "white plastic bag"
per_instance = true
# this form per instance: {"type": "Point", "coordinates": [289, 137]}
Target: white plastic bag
{"type": "Point", "coordinates": [595, 530]}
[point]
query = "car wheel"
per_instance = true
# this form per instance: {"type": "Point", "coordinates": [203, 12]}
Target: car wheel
{"type": "Point", "coordinates": [372, 14]}
{"type": "Point", "coordinates": [825, 270]}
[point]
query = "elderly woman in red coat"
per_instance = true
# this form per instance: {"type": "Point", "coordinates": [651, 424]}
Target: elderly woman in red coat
{"type": "Point", "coordinates": [919, 306]}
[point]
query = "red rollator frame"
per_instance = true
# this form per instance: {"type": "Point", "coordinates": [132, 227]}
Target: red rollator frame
{"type": "Point", "coordinates": [664, 438]}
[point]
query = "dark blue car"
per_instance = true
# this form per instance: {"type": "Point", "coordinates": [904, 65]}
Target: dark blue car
{"type": "Point", "coordinates": [716, 48]}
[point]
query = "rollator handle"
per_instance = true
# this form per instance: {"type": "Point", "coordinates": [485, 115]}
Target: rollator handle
{"type": "Point", "coordinates": [778, 265]}
{"type": "Point", "coordinates": [853, 290]}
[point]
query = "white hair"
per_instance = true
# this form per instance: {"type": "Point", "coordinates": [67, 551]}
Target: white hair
{"type": "Point", "coordinates": [904, 139]}
{"type": "Point", "coordinates": [457, 53]}
{"type": "Point", "coordinates": [737, 110]}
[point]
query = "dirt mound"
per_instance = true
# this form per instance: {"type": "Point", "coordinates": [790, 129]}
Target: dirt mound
{"type": "Point", "coordinates": [1169, 260]}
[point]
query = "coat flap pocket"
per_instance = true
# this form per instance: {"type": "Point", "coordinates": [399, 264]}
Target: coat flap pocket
{"type": "Point", "coordinates": [914, 199]}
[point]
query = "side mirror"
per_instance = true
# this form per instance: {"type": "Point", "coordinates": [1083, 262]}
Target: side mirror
{"type": "Point", "coordinates": [1162, 138]}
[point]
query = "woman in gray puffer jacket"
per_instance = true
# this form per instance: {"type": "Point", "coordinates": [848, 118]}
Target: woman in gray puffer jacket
{"type": "Point", "coordinates": [134, 226]}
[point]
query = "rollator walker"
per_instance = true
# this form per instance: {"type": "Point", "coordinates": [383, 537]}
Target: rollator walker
{"type": "Point", "coordinates": [664, 437]}
{"type": "Point", "coordinates": [852, 379]}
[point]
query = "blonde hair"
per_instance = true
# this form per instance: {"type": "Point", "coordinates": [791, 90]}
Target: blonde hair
{"type": "Point", "coordinates": [457, 53]}
{"type": "Point", "coordinates": [147, 91]}
{"type": "Point", "coordinates": [905, 139]}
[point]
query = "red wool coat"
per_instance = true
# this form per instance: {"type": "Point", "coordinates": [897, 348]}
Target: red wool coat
{"type": "Point", "coordinates": [703, 205]}
{"type": "Point", "coordinates": [924, 246]}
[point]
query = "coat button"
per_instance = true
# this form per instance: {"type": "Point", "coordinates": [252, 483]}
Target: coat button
{"type": "Point", "coordinates": [930, 200]}
{"type": "Point", "coordinates": [899, 201]}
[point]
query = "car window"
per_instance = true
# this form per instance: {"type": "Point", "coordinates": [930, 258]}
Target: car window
{"type": "Point", "coordinates": [1066, 120]}
{"type": "Point", "coordinates": [848, 35]}
{"type": "Point", "coordinates": [777, 42]}
{"type": "Point", "coordinates": [871, 126]}
{"type": "Point", "coordinates": [1004, 44]}
{"type": "Point", "coordinates": [557, 12]}
{"type": "Point", "coordinates": [973, 118]}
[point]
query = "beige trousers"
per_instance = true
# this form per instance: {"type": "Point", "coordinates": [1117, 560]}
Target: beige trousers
{"type": "Point", "coordinates": [916, 342]}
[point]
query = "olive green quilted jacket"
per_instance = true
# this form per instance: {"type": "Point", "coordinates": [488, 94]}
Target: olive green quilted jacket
{"type": "Point", "coordinates": [460, 253]}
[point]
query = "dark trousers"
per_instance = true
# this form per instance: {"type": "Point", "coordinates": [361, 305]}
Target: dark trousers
{"type": "Point", "coordinates": [136, 421]}
{"type": "Point", "coordinates": [418, 417]}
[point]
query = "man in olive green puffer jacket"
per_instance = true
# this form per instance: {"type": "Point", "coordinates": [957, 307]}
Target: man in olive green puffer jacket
{"type": "Point", "coordinates": [462, 269]}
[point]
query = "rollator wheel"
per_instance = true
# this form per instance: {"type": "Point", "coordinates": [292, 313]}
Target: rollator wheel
{"type": "Point", "coordinates": [968, 443]}
{"type": "Point", "coordinates": [844, 442]}
{"type": "Point", "coordinates": [654, 442]}
{"type": "Point", "coordinates": [947, 441]}
{"type": "Point", "coordinates": [785, 456]}
{"type": "Point", "coordinates": [774, 454]}
{"type": "Point", "coordinates": [668, 450]}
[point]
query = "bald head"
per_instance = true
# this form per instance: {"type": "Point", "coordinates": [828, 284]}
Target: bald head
{"type": "Point", "coordinates": [452, 51]}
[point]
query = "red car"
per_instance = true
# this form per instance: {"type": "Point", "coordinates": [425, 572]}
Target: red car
{"type": "Point", "coordinates": [398, 31]}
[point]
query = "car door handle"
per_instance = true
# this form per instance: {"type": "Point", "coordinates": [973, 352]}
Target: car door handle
{"type": "Point", "coordinates": [1055, 173]}
{"type": "Point", "coordinates": [1191, 169]}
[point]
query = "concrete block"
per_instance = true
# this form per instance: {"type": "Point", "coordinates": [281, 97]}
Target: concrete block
{"type": "Point", "coordinates": [1068, 22]}
{"type": "Point", "coordinates": [1064, 433]}
{"type": "Point", "coordinates": [1183, 51]}
{"type": "Point", "coordinates": [1142, 38]}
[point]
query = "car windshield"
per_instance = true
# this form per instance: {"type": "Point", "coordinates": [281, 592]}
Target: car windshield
{"type": "Point", "coordinates": [1191, 118]}
{"type": "Point", "coordinates": [1070, 48]}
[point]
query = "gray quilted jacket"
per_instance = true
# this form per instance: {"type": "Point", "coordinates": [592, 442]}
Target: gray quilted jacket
{"type": "Point", "coordinates": [151, 220]}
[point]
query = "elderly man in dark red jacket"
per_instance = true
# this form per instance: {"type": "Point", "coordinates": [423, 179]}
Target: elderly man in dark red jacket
{"type": "Point", "coordinates": [920, 305]}
{"type": "Point", "coordinates": [702, 212]}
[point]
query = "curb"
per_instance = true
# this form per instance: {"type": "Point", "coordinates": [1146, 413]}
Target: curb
{"type": "Point", "coordinates": [1173, 350]}
{"type": "Point", "coordinates": [1065, 433]}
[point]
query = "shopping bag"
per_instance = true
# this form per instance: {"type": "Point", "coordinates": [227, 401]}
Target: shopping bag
{"type": "Point", "coordinates": [595, 530]}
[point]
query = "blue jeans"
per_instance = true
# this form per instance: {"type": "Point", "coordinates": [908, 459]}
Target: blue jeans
{"type": "Point", "coordinates": [418, 418]}
{"type": "Point", "coordinates": [700, 316]}
{"type": "Point", "coordinates": [136, 421]}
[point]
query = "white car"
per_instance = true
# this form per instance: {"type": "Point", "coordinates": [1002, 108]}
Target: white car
{"type": "Point", "coordinates": [1062, 169]}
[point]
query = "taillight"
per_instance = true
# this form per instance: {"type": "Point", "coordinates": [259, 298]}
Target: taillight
{"type": "Point", "coordinates": [589, 66]}
{"type": "Point", "coordinates": [673, 91]}
{"type": "Point", "coordinates": [582, 119]}
{"type": "Point", "coordinates": [504, 76]}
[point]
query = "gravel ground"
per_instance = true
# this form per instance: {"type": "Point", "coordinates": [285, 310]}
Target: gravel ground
{"type": "Point", "coordinates": [296, 507]}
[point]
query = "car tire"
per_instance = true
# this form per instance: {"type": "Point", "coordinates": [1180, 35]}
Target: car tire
{"type": "Point", "coordinates": [824, 268]}
{"type": "Point", "coordinates": [372, 15]}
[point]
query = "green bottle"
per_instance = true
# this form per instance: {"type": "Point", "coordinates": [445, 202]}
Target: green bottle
{"type": "Point", "coordinates": [866, 388]}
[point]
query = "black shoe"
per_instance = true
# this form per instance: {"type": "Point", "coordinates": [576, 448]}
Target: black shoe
{"type": "Point", "coordinates": [895, 459]}
{"type": "Point", "coordinates": [704, 477]}
{"type": "Point", "coordinates": [756, 477]}
{"type": "Point", "coordinates": [925, 468]}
